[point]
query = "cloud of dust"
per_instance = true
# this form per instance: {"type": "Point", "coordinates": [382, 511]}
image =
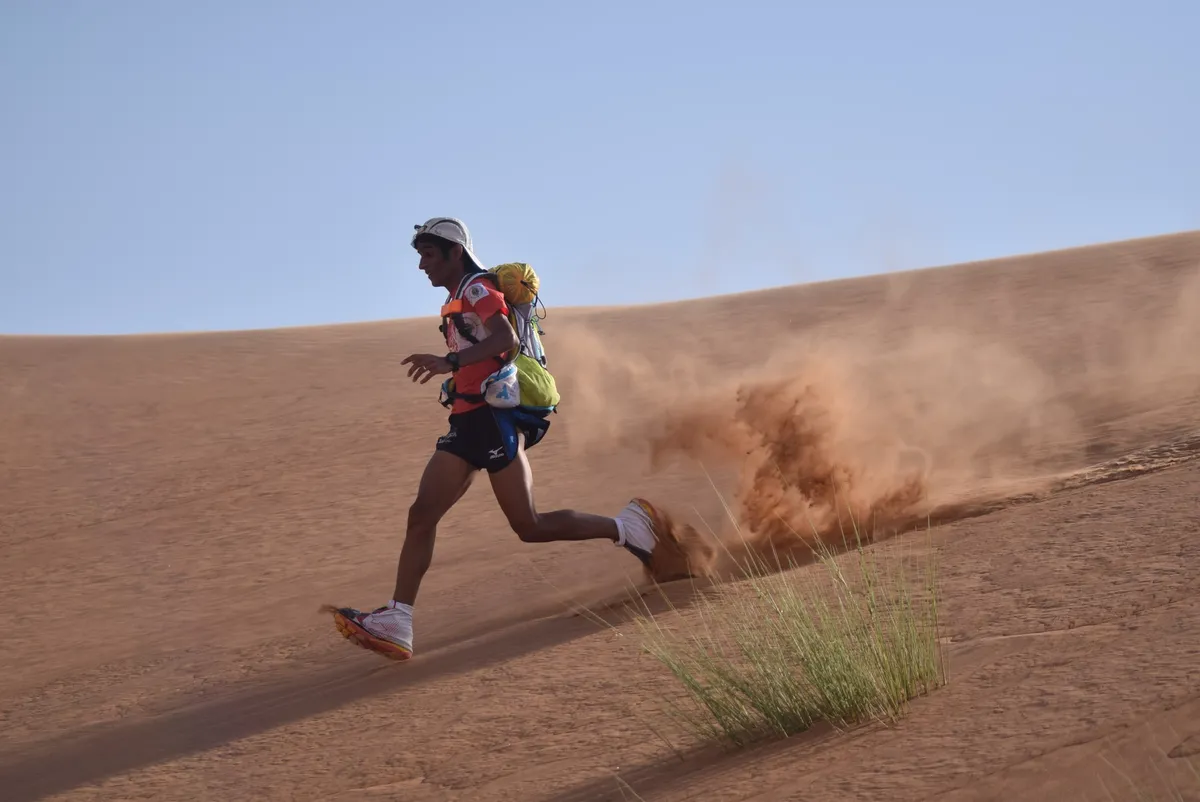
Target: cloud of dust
{"type": "Point", "coordinates": [1136, 364]}
{"type": "Point", "coordinates": [802, 469]}
{"type": "Point", "coordinates": [827, 430]}
{"type": "Point", "coordinates": [883, 418]}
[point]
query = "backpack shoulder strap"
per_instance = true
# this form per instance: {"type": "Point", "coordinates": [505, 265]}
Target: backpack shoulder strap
{"type": "Point", "coordinates": [471, 278]}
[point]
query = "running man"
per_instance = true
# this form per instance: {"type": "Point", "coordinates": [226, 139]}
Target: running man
{"type": "Point", "coordinates": [474, 443]}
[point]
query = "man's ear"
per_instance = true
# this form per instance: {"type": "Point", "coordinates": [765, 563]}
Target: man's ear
{"type": "Point", "coordinates": [456, 252]}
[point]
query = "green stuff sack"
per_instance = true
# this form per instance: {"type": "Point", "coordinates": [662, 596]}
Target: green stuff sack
{"type": "Point", "coordinates": [538, 390]}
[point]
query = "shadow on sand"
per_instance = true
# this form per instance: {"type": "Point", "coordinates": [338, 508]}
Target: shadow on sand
{"type": "Point", "coordinates": [59, 764]}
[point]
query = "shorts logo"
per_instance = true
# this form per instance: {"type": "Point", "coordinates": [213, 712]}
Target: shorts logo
{"type": "Point", "coordinates": [496, 453]}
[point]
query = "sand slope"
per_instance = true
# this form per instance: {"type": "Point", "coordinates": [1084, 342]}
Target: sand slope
{"type": "Point", "coordinates": [174, 508]}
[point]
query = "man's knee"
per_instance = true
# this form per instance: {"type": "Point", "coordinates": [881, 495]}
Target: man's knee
{"type": "Point", "coordinates": [527, 528]}
{"type": "Point", "coordinates": [424, 514]}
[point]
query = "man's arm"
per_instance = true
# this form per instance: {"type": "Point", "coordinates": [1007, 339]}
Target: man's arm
{"type": "Point", "coordinates": [501, 338]}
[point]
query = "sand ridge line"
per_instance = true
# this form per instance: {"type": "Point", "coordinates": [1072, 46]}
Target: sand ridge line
{"type": "Point", "coordinates": [1114, 623]}
{"type": "Point", "coordinates": [1135, 463]}
{"type": "Point", "coordinates": [1141, 462]}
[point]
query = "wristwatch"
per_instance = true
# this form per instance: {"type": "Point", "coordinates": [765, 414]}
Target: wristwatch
{"type": "Point", "coordinates": [452, 358]}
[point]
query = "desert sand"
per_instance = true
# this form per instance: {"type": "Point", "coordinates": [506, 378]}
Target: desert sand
{"type": "Point", "coordinates": [175, 508]}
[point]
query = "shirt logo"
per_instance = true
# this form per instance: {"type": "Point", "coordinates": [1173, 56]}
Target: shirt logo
{"type": "Point", "coordinates": [475, 293]}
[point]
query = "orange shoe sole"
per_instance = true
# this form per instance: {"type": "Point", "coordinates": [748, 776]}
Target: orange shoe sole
{"type": "Point", "coordinates": [351, 631]}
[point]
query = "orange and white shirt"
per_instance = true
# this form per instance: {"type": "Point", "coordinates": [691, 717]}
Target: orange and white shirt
{"type": "Point", "coordinates": [478, 302]}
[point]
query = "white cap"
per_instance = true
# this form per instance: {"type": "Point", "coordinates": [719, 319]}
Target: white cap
{"type": "Point", "coordinates": [452, 229]}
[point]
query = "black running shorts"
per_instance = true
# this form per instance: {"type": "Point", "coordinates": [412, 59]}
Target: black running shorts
{"type": "Point", "coordinates": [475, 436]}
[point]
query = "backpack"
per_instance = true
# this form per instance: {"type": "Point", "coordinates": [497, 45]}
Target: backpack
{"type": "Point", "coordinates": [522, 382]}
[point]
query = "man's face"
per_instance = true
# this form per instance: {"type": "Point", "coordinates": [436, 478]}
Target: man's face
{"type": "Point", "coordinates": [440, 269]}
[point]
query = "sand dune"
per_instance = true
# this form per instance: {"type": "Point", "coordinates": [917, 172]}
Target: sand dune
{"type": "Point", "coordinates": [174, 508]}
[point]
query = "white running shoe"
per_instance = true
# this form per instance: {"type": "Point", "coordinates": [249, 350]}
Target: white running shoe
{"type": "Point", "coordinates": [667, 551]}
{"type": "Point", "coordinates": [386, 630]}
{"type": "Point", "coordinates": [635, 530]}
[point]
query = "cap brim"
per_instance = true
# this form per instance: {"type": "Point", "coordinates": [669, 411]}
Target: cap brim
{"type": "Point", "coordinates": [470, 254]}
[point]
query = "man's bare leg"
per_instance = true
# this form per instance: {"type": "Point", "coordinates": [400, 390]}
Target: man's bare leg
{"type": "Point", "coordinates": [639, 528]}
{"type": "Point", "coordinates": [445, 480]}
{"type": "Point", "coordinates": [389, 630]}
{"type": "Point", "coordinates": [513, 486]}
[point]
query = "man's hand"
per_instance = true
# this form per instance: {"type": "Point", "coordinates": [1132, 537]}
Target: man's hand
{"type": "Point", "coordinates": [501, 338]}
{"type": "Point", "coordinates": [426, 366]}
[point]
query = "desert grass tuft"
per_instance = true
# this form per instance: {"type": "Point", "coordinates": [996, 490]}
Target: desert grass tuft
{"type": "Point", "coordinates": [785, 648]}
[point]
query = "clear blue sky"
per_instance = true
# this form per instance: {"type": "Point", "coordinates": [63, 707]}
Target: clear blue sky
{"type": "Point", "coordinates": [186, 165]}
